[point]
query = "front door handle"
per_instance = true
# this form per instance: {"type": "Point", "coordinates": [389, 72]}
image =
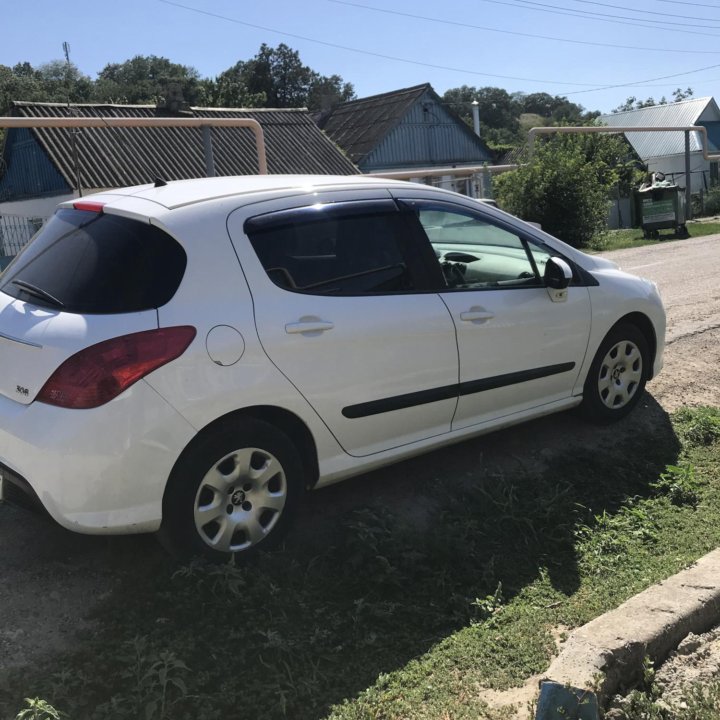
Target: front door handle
{"type": "Point", "coordinates": [308, 326]}
{"type": "Point", "coordinates": [473, 315]}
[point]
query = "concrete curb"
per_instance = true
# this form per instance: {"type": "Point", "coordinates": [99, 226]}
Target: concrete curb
{"type": "Point", "coordinates": [609, 651]}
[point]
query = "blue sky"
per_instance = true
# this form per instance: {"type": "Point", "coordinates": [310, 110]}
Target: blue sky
{"type": "Point", "coordinates": [370, 48]}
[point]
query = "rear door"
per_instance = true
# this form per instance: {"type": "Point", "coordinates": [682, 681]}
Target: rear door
{"type": "Point", "coordinates": [86, 277]}
{"type": "Point", "coordinates": [339, 312]}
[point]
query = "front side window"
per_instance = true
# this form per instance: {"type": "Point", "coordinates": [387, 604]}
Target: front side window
{"type": "Point", "coordinates": [474, 253]}
{"type": "Point", "coordinates": [353, 254]}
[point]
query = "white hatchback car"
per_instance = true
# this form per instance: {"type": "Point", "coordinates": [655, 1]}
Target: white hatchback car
{"type": "Point", "coordinates": [189, 357]}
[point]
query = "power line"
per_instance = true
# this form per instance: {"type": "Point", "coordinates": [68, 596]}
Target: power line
{"type": "Point", "coordinates": [647, 12]}
{"type": "Point", "coordinates": [683, 2]}
{"type": "Point", "coordinates": [370, 52]}
{"type": "Point", "coordinates": [641, 83]}
{"type": "Point", "coordinates": [456, 23]}
{"type": "Point", "coordinates": [590, 13]}
{"type": "Point", "coordinates": [591, 88]}
{"type": "Point", "coordinates": [578, 14]}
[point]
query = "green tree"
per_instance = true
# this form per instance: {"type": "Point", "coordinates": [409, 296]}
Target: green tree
{"type": "Point", "coordinates": [276, 77]}
{"type": "Point", "coordinates": [326, 92]}
{"type": "Point", "coordinates": [499, 113]}
{"type": "Point", "coordinates": [63, 82]}
{"type": "Point", "coordinates": [231, 89]}
{"type": "Point", "coordinates": [554, 108]}
{"type": "Point", "coordinates": [56, 81]}
{"type": "Point", "coordinates": [567, 186]}
{"type": "Point", "coordinates": [632, 103]}
{"type": "Point", "coordinates": [680, 94]}
{"type": "Point", "coordinates": [148, 79]}
{"type": "Point", "coordinates": [540, 103]}
{"type": "Point", "coordinates": [16, 83]}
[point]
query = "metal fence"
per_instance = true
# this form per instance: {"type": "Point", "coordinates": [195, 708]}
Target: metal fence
{"type": "Point", "coordinates": [15, 233]}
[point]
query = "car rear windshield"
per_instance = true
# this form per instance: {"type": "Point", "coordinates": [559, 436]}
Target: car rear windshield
{"type": "Point", "coordinates": [89, 262]}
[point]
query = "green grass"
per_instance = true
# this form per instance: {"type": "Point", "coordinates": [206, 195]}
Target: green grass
{"type": "Point", "coordinates": [620, 239]}
{"type": "Point", "coordinates": [377, 613]}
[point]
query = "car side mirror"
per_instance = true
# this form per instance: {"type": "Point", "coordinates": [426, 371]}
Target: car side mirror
{"type": "Point", "coordinates": [558, 275]}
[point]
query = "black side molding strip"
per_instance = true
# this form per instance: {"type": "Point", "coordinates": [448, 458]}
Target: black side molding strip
{"type": "Point", "coordinates": [470, 387]}
{"type": "Point", "coordinates": [398, 402]}
{"type": "Point", "coordinates": [491, 383]}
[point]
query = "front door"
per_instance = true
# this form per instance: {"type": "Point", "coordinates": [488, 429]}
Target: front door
{"type": "Point", "coordinates": [518, 349]}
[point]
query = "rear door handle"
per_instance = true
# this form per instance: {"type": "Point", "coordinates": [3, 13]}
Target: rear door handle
{"type": "Point", "coordinates": [473, 315]}
{"type": "Point", "coordinates": [308, 326]}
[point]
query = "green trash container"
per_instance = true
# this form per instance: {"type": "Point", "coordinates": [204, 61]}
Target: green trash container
{"type": "Point", "coordinates": [660, 206]}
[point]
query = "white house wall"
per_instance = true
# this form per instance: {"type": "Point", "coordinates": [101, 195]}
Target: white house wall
{"type": "Point", "coordinates": [34, 207]}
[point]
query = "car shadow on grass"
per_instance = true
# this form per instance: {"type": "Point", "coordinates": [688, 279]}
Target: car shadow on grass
{"type": "Point", "coordinates": [376, 571]}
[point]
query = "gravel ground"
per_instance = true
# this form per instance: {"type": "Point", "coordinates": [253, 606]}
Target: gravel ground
{"type": "Point", "coordinates": [695, 662]}
{"type": "Point", "coordinates": [687, 274]}
{"type": "Point", "coordinates": [52, 579]}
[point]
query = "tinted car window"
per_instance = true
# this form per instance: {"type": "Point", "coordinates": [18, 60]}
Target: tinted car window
{"type": "Point", "coordinates": [95, 263]}
{"type": "Point", "coordinates": [336, 255]}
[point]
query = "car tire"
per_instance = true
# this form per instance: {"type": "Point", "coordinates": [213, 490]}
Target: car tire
{"type": "Point", "coordinates": [232, 492]}
{"type": "Point", "coordinates": [616, 379]}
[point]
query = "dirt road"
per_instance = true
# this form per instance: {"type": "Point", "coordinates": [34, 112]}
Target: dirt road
{"type": "Point", "coordinates": [51, 579]}
{"type": "Point", "coordinates": [688, 274]}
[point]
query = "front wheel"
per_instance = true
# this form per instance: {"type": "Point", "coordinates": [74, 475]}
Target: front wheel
{"type": "Point", "coordinates": [232, 492]}
{"type": "Point", "coordinates": [616, 379]}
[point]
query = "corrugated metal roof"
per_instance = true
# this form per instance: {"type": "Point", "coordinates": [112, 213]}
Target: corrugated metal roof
{"type": "Point", "coordinates": [359, 126]}
{"type": "Point", "coordinates": [404, 128]}
{"type": "Point", "coordinates": [115, 157]}
{"type": "Point", "coordinates": [649, 144]}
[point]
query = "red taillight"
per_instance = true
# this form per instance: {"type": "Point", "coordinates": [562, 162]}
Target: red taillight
{"type": "Point", "coordinates": [89, 206]}
{"type": "Point", "coordinates": [101, 372]}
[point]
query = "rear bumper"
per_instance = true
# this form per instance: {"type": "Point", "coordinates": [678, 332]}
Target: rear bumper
{"type": "Point", "coordinates": [95, 471]}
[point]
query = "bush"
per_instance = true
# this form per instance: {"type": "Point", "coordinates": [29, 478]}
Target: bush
{"type": "Point", "coordinates": [565, 189]}
{"type": "Point", "coordinates": [712, 201]}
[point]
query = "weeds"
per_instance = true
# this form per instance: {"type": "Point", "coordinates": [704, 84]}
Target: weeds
{"type": "Point", "coordinates": [698, 426]}
{"type": "Point", "coordinates": [699, 702]}
{"type": "Point", "coordinates": [385, 615]}
{"type": "Point", "coordinates": [156, 681]}
{"type": "Point", "coordinates": [605, 541]}
{"type": "Point", "coordinates": [679, 485]}
{"type": "Point", "coordinates": [227, 580]}
{"type": "Point", "coordinates": [487, 608]}
{"type": "Point", "coordinates": [38, 709]}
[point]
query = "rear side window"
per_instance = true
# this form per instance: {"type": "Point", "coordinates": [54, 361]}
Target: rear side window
{"type": "Point", "coordinates": [353, 254]}
{"type": "Point", "coordinates": [94, 263]}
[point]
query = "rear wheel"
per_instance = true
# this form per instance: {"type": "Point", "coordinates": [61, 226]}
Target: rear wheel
{"type": "Point", "coordinates": [232, 492]}
{"type": "Point", "coordinates": [616, 379]}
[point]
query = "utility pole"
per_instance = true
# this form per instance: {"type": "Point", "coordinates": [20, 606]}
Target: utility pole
{"type": "Point", "coordinates": [73, 132]}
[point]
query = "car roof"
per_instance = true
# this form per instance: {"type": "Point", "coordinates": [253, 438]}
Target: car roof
{"type": "Point", "coordinates": [189, 192]}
